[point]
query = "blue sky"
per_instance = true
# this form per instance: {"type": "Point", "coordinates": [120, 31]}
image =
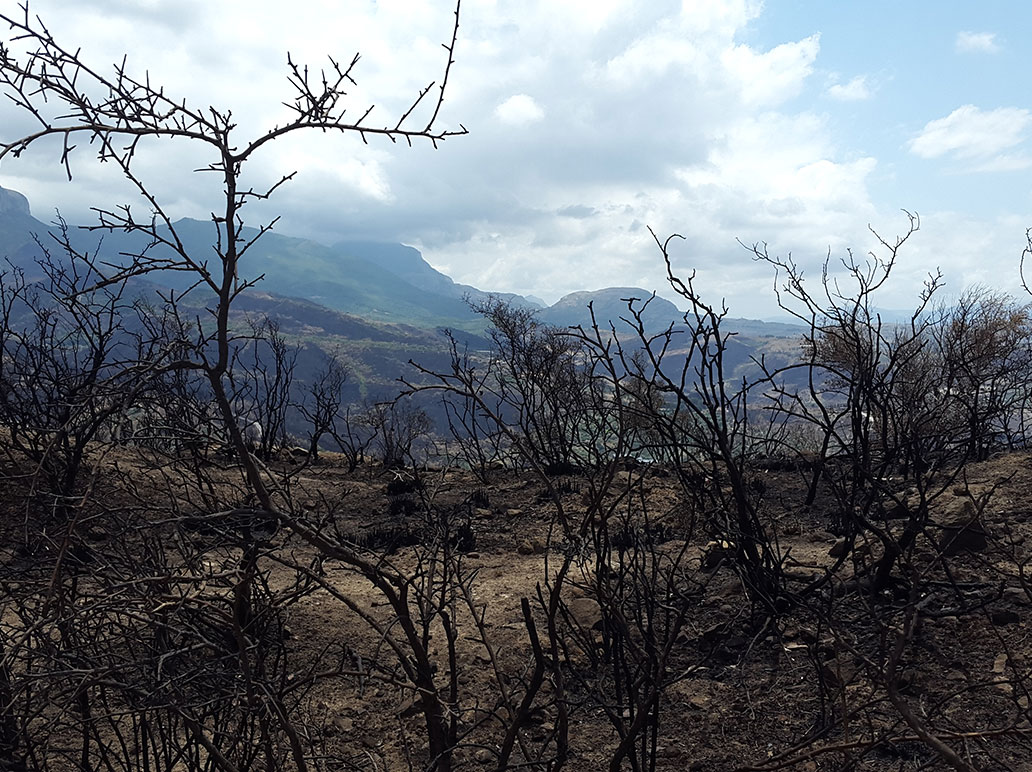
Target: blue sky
{"type": "Point", "coordinates": [916, 62]}
{"type": "Point", "coordinates": [797, 124]}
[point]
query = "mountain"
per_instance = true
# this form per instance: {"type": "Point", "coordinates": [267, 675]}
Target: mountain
{"type": "Point", "coordinates": [408, 264]}
{"type": "Point", "coordinates": [381, 303]}
{"type": "Point", "coordinates": [17, 226]}
{"type": "Point", "coordinates": [377, 281]}
{"type": "Point", "coordinates": [334, 277]}
{"type": "Point", "coordinates": [13, 203]}
{"type": "Point", "coordinates": [609, 304]}
{"type": "Point", "coordinates": [384, 282]}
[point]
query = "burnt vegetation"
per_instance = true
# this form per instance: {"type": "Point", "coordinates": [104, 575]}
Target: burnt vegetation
{"type": "Point", "coordinates": [609, 553]}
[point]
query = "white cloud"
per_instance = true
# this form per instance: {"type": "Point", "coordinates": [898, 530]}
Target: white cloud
{"type": "Point", "coordinates": [666, 114]}
{"type": "Point", "coordinates": [519, 110]}
{"type": "Point", "coordinates": [772, 77]}
{"type": "Point", "coordinates": [624, 98]}
{"type": "Point", "coordinates": [970, 250]}
{"type": "Point", "coordinates": [969, 133]}
{"type": "Point", "coordinates": [855, 91]}
{"type": "Point", "coordinates": [976, 42]}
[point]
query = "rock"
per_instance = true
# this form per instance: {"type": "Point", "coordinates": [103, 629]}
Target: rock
{"type": "Point", "coordinates": [1016, 596]}
{"type": "Point", "coordinates": [716, 552]}
{"type": "Point", "coordinates": [840, 549]}
{"type": "Point", "coordinates": [700, 702]}
{"type": "Point", "coordinates": [340, 725]}
{"type": "Point", "coordinates": [513, 512]}
{"type": "Point", "coordinates": [411, 707]}
{"type": "Point", "coordinates": [1000, 671]}
{"type": "Point", "coordinates": [962, 529]}
{"type": "Point", "coordinates": [896, 510]}
{"type": "Point", "coordinates": [838, 674]}
{"type": "Point", "coordinates": [715, 633]}
{"type": "Point", "coordinates": [1005, 616]}
{"type": "Point", "coordinates": [792, 529]}
{"type": "Point", "coordinates": [484, 756]}
{"type": "Point", "coordinates": [585, 612]}
{"type": "Point", "coordinates": [535, 546]}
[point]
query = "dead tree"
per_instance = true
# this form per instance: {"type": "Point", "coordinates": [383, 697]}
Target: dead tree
{"type": "Point", "coordinates": [880, 395]}
{"type": "Point", "coordinates": [123, 116]}
{"type": "Point", "coordinates": [321, 404]}
{"type": "Point", "coordinates": [59, 90]}
{"type": "Point", "coordinates": [262, 377]}
{"type": "Point", "coordinates": [704, 427]}
{"type": "Point", "coordinates": [71, 362]}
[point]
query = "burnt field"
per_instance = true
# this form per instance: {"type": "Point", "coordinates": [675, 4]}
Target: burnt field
{"type": "Point", "coordinates": [396, 619]}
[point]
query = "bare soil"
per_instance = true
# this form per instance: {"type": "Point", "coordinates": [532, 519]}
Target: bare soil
{"type": "Point", "coordinates": [808, 691]}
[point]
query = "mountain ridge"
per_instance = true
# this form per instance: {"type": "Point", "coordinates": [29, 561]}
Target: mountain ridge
{"type": "Point", "coordinates": [380, 281]}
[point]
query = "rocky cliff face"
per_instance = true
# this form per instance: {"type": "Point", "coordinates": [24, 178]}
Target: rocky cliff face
{"type": "Point", "coordinates": [12, 202]}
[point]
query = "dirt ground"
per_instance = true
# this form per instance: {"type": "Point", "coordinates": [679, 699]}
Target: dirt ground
{"type": "Point", "coordinates": [744, 697]}
{"type": "Point", "coordinates": [809, 691]}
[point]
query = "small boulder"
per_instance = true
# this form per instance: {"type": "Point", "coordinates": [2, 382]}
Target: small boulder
{"type": "Point", "coordinates": [585, 612]}
{"type": "Point", "coordinates": [340, 725]}
{"type": "Point", "coordinates": [839, 549]}
{"type": "Point", "coordinates": [1016, 596]}
{"type": "Point", "coordinates": [962, 529]}
{"type": "Point", "coordinates": [535, 546]}
{"type": "Point", "coordinates": [1003, 617]}
{"type": "Point", "coordinates": [410, 707]}
{"type": "Point", "coordinates": [896, 510]}
{"type": "Point", "coordinates": [792, 528]}
{"type": "Point", "coordinates": [715, 553]}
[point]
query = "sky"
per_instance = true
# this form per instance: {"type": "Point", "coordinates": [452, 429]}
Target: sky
{"type": "Point", "coordinates": [799, 124]}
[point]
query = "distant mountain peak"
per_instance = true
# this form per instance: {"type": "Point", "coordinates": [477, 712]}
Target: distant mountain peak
{"type": "Point", "coordinates": [609, 294]}
{"type": "Point", "coordinates": [13, 202]}
{"type": "Point", "coordinates": [609, 305]}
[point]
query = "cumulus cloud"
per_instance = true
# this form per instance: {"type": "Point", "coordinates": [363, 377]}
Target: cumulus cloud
{"type": "Point", "coordinates": [972, 134]}
{"type": "Point", "coordinates": [855, 90]}
{"type": "Point", "coordinates": [768, 78]}
{"type": "Point", "coordinates": [641, 115]}
{"type": "Point", "coordinates": [976, 42]}
{"type": "Point", "coordinates": [588, 122]}
{"type": "Point", "coordinates": [519, 110]}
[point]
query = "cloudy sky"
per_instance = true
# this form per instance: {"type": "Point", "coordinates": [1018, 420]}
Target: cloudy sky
{"type": "Point", "coordinates": [796, 123]}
